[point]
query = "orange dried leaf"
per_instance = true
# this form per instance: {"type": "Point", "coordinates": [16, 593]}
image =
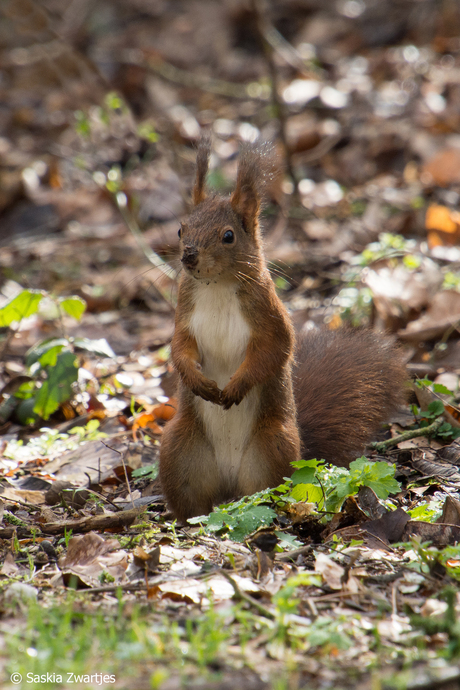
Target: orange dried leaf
{"type": "Point", "coordinates": [441, 218]}
{"type": "Point", "coordinates": [443, 225]}
{"type": "Point", "coordinates": [147, 421]}
{"type": "Point", "coordinates": [165, 411]}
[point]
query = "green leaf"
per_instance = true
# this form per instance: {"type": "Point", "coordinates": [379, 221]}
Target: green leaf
{"type": "Point", "coordinates": [216, 521]}
{"type": "Point", "coordinates": [288, 540]}
{"type": "Point", "coordinates": [25, 412]}
{"type": "Point", "coordinates": [101, 348]}
{"type": "Point", "coordinates": [74, 306]}
{"type": "Point", "coordinates": [436, 408]}
{"type": "Point", "coordinates": [423, 383]}
{"type": "Point", "coordinates": [49, 358]}
{"type": "Point", "coordinates": [426, 512]}
{"type": "Point", "coordinates": [199, 520]}
{"type": "Point", "coordinates": [379, 476]}
{"type": "Point", "coordinates": [251, 520]}
{"type": "Point", "coordinates": [442, 390]}
{"type": "Point", "coordinates": [147, 471]}
{"type": "Point", "coordinates": [37, 351]}
{"type": "Point", "coordinates": [58, 386]}
{"type": "Point", "coordinates": [20, 307]}
{"type": "Point", "coordinates": [307, 492]}
{"type": "Point", "coordinates": [306, 474]}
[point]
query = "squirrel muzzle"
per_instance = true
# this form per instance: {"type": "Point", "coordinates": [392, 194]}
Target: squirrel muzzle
{"type": "Point", "coordinates": [190, 256]}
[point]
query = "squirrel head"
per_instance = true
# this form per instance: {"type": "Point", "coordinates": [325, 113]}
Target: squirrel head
{"type": "Point", "coordinates": [220, 240]}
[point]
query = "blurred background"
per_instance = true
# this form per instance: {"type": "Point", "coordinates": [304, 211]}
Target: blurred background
{"type": "Point", "coordinates": [101, 107]}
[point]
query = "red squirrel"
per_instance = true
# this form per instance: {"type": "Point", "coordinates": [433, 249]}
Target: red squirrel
{"type": "Point", "coordinates": [252, 398]}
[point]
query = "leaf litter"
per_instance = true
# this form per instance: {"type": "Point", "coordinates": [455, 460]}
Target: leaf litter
{"type": "Point", "coordinates": [370, 98]}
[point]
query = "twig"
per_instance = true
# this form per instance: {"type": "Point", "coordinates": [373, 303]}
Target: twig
{"type": "Point", "coordinates": [320, 150]}
{"type": "Point", "coordinates": [286, 50]}
{"type": "Point", "coordinates": [155, 260]}
{"type": "Point", "coordinates": [97, 522]}
{"type": "Point", "coordinates": [245, 597]}
{"type": "Point", "coordinates": [190, 79]}
{"type": "Point", "coordinates": [122, 456]}
{"type": "Point", "coordinates": [382, 446]}
{"type": "Point", "coordinates": [264, 28]}
{"type": "Point", "coordinates": [293, 555]}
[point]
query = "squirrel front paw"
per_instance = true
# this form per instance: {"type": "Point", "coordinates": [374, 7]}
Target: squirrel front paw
{"type": "Point", "coordinates": [231, 395]}
{"type": "Point", "coordinates": [208, 390]}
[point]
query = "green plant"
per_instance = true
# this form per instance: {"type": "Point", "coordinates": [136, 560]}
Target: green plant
{"type": "Point", "coordinates": [330, 486]}
{"type": "Point", "coordinates": [146, 472]}
{"type": "Point", "coordinates": [327, 486]}
{"type": "Point", "coordinates": [426, 512]}
{"type": "Point", "coordinates": [52, 363]}
{"type": "Point", "coordinates": [435, 411]}
{"type": "Point", "coordinates": [206, 636]}
{"type": "Point", "coordinates": [240, 518]}
{"type": "Point", "coordinates": [448, 624]}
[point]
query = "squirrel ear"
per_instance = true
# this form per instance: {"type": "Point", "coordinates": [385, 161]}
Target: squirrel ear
{"type": "Point", "coordinates": [257, 168]}
{"type": "Point", "coordinates": [202, 160]}
{"type": "Point", "coordinates": [245, 202]}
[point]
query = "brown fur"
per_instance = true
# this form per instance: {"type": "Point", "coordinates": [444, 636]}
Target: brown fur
{"type": "Point", "coordinates": [346, 384]}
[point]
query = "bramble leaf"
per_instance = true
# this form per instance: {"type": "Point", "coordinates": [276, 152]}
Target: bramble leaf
{"type": "Point", "coordinates": [58, 386]}
{"type": "Point", "coordinates": [20, 307]}
{"type": "Point", "coordinates": [74, 306]}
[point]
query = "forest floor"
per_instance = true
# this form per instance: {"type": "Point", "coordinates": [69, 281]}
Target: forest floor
{"type": "Point", "coordinates": [339, 579]}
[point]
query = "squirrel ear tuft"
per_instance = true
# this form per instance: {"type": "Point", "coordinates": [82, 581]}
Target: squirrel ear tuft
{"type": "Point", "coordinates": [202, 161]}
{"type": "Point", "coordinates": [257, 168]}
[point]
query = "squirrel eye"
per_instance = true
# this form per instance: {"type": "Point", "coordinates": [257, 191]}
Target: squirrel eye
{"type": "Point", "coordinates": [179, 232]}
{"type": "Point", "coordinates": [228, 237]}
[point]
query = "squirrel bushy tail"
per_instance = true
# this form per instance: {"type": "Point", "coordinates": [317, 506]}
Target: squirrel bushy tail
{"type": "Point", "coordinates": [346, 383]}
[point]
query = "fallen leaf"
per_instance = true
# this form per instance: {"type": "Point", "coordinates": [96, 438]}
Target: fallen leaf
{"type": "Point", "coordinates": [89, 556]}
{"type": "Point", "coordinates": [443, 168]}
{"type": "Point", "coordinates": [331, 571]}
{"type": "Point", "coordinates": [9, 566]}
{"type": "Point", "coordinates": [442, 313]}
{"type": "Point", "coordinates": [438, 534]}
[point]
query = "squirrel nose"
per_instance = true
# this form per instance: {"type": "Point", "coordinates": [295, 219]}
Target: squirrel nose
{"type": "Point", "coordinates": [190, 256]}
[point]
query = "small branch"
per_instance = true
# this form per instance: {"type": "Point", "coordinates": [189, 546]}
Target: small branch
{"type": "Point", "coordinates": [97, 522]}
{"type": "Point", "coordinates": [289, 556]}
{"type": "Point", "coordinates": [245, 597]}
{"type": "Point", "coordinates": [287, 51]}
{"type": "Point", "coordinates": [190, 79]}
{"type": "Point", "coordinates": [122, 456]}
{"type": "Point", "coordinates": [430, 430]}
{"type": "Point", "coordinates": [264, 29]}
{"type": "Point", "coordinates": [155, 260]}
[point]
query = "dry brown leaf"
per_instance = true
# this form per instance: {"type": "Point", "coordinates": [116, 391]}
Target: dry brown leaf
{"type": "Point", "coordinates": [89, 556]}
{"type": "Point", "coordinates": [9, 567]}
{"type": "Point", "coordinates": [332, 572]}
{"type": "Point", "coordinates": [442, 314]}
{"type": "Point", "coordinates": [397, 290]}
{"type": "Point", "coordinates": [443, 168]}
{"type": "Point", "coordinates": [36, 498]}
{"type": "Point", "coordinates": [443, 225]}
{"type": "Point", "coordinates": [438, 534]}
{"type": "Point", "coordinates": [300, 510]}
{"type": "Point", "coordinates": [450, 511]}
{"type": "Point", "coordinates": [149, 560]}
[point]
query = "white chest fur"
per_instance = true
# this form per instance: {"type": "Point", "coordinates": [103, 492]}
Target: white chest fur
{"type": "Point", "coordinates": [222, 336]}
{"type": "Point", "coordinates": [221, 331]}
